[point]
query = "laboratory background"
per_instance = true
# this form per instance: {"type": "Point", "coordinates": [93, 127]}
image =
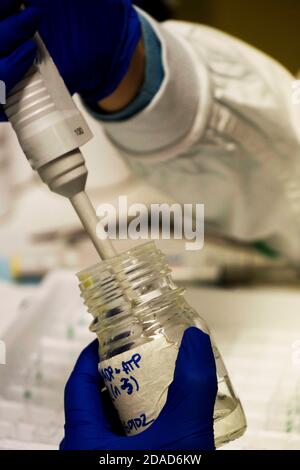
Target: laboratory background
{"type": "Point", "coordinates": [248, 294]}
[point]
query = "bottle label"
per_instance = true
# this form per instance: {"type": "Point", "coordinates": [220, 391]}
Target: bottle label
{"type": "Point", "coordinates": [138, 382]}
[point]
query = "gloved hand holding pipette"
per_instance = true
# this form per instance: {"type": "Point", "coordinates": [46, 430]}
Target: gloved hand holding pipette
{"type": "Point", "coordinates": [49, 127]}
{"type": "Point", "coordinates": [91, 42]}
{"type": "Point", "coordinates": [17, 49]}
{"type": "Point", "coordinates": [185, 423]}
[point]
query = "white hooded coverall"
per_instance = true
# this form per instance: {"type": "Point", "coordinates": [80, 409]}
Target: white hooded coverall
{"type": "Point", "coordinates": [223, 130]}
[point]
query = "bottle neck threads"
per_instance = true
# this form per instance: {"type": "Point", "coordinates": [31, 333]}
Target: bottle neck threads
{"type": "Point", "coordinates": [131, 297]}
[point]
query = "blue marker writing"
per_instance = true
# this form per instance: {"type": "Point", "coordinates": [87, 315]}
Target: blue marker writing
{"type": "Point", "coordinates": [129, 366]}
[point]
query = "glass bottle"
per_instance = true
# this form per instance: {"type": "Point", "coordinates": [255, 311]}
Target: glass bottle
{"type": "Point", "coordinates": [140, 316]}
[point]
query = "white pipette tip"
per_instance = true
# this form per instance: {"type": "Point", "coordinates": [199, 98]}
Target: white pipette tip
{"type": "Point", "coordinates": [90, 221]}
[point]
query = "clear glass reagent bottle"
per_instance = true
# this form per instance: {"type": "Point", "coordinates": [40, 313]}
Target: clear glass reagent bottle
{"type": "Point", "coordinates": [140, 316]}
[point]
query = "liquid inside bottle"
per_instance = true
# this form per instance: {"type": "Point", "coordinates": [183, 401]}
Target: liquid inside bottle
{"type": "Point", "coordinates": [140, 316]}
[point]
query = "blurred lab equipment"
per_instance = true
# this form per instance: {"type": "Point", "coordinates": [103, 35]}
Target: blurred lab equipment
{"type": "Point", "coordinates": [221, 262]}
{"type": "Point", "coordinates": [38, 259]}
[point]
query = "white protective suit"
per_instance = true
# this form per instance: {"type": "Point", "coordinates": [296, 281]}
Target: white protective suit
{"type": "Point", "coordinates": [223, 130]}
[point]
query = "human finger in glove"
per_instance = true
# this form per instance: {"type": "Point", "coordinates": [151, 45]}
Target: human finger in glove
{"type": "Point", "coordinates": [185, 423]}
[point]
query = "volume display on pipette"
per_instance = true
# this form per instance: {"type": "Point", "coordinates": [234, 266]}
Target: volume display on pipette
{"type": "Point", "coordinates": [50, 130]}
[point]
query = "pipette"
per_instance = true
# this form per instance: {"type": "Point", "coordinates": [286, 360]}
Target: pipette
{"type": "Point", "coordinates": [51, 130]}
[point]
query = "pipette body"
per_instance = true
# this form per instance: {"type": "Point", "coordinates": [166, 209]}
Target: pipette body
{"type": "Point", "coordinates": [51, 130]}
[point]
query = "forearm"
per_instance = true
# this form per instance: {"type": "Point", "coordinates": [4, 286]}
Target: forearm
{"type": "Point", "coordinates": [146, 125]}
{"type": "Point", "coordinates": [141, 83]}
{"type": "Point", "coordinates": [130, 86]}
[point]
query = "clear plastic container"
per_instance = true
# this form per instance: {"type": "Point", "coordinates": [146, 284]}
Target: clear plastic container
{"type": "Point", "coordinates": [138, 309]}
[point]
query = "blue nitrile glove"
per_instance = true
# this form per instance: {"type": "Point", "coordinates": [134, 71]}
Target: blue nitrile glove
{"type": "Point", "coordinates": [91, 41]}
{"type": "Point", "coordinates": [185, 423]}
{"type": "Point", "coordinates": [17, 50]}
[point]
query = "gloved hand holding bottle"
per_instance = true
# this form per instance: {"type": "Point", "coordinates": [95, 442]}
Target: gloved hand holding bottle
{"type": "Point", "coordinates": [185, 423]}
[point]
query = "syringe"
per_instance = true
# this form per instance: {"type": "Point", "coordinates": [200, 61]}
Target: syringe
{"type": "Point", "coordinates": [51, 131]}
